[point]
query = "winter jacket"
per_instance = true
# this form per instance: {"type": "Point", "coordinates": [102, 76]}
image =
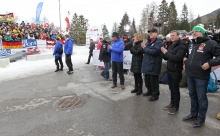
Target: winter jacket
{"type": "Point", "coordinates": [91, 48]}
{"type": "Point", "coordinates": [58, 45]}
{"type": "Point", "coordinates": [117, 50]}
{"type": "Point", "coordinates": [152, 59]}
{"type": "Point", "coordinates": [186, 42]}
{"type": "Point", "coordinates": [104, 55]}
{"type": "Point", "coordinates": [174, 56]}
{"type": "Point", "coordinates": [68, 47]}
{"type": "Point", "coordinates": [99, 46]}
{"type": "Point", "coordinates": [137, 57]}
{"type": "Point", "coordinates": [201, 51]}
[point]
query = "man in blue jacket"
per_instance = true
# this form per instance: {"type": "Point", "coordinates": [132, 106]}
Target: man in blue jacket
{"type": "Point", "coordinates": [58, 55]}
{"type": "Point", "coordinates": [151, 65]}
{"type": "Point", "coordinates": [68, 50]}
{"type": "Point", "coordinates": [116, 49]}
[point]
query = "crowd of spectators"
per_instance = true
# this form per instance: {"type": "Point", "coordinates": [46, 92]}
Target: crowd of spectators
{"type": "Point", "coordinates": [11, 31]}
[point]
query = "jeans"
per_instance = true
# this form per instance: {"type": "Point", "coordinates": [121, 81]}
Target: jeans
{"type": "Point", "coordinates": [105, 71]}
{"type": "Point", "coordinates": [199, 101]}
{"type": "Point", "coordinates": [69, 62]}
{"type": "Point", "coordinates": [90, 55]}
{"type": "Point", "coordinates": [60, 61]}
{"type": "Point", "coordinates": [152, 84]}
{"type": "Point", "coordinates": [173, 82]}
{"type": "Point", "coordinates": [117, 67]}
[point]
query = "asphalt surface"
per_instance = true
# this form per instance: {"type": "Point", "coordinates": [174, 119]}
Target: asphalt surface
{"type": "Point", "coordinates": [28, 108]}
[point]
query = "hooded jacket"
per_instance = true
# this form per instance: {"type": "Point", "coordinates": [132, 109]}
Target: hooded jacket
{"type": "Point", "coordinates": [201, 51]}
{"type": "Point", "coordinates": [152, 60]}
{"type": "Point", "coordinates": [68, 47]}
{"type": "Point", "coordinates": [117, 50]}
{"type": "Point", "coordinates": [58, 45]}
{"type": "Point", "coordinates": [104, 55]}
{"type": "Point", "coordinates": [174, 56]}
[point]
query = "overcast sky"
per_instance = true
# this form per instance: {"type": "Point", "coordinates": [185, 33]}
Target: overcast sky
{"type": "Point", "coordinates": [97, 12]}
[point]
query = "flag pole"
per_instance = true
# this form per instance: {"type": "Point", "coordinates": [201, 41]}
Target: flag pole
{"type": "Point", "coordinates": [60, 16]}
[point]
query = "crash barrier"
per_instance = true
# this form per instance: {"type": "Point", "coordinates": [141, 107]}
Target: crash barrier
{"type": "Point", "coordinates": [127, 56]}
{"type": "Point", "coordinates": [39, 57]}
{"type": "Point", "coordinates": [27, 45]}
{"type": "Point", "coordinates": [4, 62]}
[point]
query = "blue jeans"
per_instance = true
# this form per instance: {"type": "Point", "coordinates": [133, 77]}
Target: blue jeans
{"type": "Point", "coordinates": [105, 71]}
{"type": "Point", "coordinates": [199, 102]}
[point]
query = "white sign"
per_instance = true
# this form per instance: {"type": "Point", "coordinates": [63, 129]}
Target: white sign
{"type": "Point", "coordinates": [126, 55]}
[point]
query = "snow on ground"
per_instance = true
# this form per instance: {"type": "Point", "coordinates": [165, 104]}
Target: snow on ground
{"type": "Point", "coordinates": [23, 68]}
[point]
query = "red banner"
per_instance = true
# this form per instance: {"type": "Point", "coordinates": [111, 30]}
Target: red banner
{"type": "Point", "coordinates": [12, 45]}
{"type": "Point", "coordinates": [50, 43]}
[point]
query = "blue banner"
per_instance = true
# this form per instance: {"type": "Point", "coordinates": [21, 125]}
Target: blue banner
{"type": "Point", "coordinates": [38, 11]}
{"type": "Point", "coordinates": [29, 43]}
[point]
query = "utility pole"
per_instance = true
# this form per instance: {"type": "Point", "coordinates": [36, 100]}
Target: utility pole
{"type": "Point", "coordinates": [60, 15]}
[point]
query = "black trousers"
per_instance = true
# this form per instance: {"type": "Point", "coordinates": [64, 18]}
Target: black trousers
{"type": "Point", "coordinates": [117, 67]}
{"type": "Point", "coordinates": [173, 81]}
{"type": "Point", "coordinates": [90, 55]}
{"type": "Point", "coordinates": [69, 62]}
{"type": "Point", "coordinates": [152, 84]}
{"type": "Point", "coordinates": [138, 81]}
{"type": "Point", "coordinates": [59, 59]}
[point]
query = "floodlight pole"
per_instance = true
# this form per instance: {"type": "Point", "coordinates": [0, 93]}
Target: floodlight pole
{"type": "Point", "coordinates": [60, 15]}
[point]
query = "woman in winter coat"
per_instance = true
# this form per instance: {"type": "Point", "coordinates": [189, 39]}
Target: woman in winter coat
{"type": "Point", "coordinates": [137, 57]}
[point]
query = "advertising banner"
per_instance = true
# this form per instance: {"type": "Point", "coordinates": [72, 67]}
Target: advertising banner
{"type": "Point", "coordinates": [29, 43]}
{"type": "Point", "coordinates": [7, 17]}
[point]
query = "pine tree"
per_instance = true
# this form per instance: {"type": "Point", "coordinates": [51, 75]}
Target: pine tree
{"type": "Point", "coordinates": [105, 30]}
{"type": "Point", "coordinates": [172, 18]}
{"type": "Point", "coordinates": [125, 21]}
{"type": "Point", "coordinates": [163, 13]}
{"type": "Point", "coordinates": [184, 25]}
{"type": "Point", "coordinates": [143, 23]}
{"type": "Point", "coordinates": [115, 27]}
{"type": "Point", "coordinates": [198, 20]}
{"type": "Point", "coordinates": [133, 29]}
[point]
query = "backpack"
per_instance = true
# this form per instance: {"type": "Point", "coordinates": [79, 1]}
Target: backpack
{"type": "Point", "coordinates": [60, 50]}
{"type": "Point", "coordinates": [212, 85]}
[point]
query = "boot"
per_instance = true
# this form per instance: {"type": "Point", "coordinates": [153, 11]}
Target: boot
{"type": "Point", "coordinates": [135, 90]}
{"type": "Point", "coordinates": [61, 69]}
{"type": "Point", "coordinates": [122, 87]}
{"type": "Point", "coordinates": [56, 70]}
{"type": "Point", "coordinates": [139, 92]}
{"type": "Point", "coordinates": [114, 85]}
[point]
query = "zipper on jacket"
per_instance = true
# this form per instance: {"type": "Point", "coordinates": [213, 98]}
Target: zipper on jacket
{"type": "Point", "coordinates": [192, 55]}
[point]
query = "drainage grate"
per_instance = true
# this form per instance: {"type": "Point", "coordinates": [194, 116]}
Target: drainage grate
{"type": "Point", "coordinates": [70, 102]}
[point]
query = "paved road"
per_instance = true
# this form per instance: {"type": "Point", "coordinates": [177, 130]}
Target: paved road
{"type": "Point", "coordinates": [28, 108]}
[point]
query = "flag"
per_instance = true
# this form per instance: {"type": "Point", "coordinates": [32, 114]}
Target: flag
{"type": "Point", "coordinates": [38, 11]}
{"type": "Point", "coordinates": [67, 21]}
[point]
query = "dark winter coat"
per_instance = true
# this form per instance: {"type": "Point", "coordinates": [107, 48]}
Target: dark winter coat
{"type": "Point", "coordinates": [137, 57]}
{"type": "Point", "coordinates": [68, 47]}
{"type": "Point", "coordinates": [58, 45]}
{"type": "Point", "coordinates": [152, 59]}
{"type": "Point", "coordinates": [91, 48]}
{"type": "Point", "coordinates": [174, 56]}
{"type": "Point", "coordinates": [186, 43]}
{"type": "Point", "coordinates": [104, 55]}
{"type": "Point", "coordinates": [201, 51]}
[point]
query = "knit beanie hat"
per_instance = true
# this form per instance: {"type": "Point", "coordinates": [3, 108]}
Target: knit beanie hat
{"type": "Point", "coordinates": [115, 34]}
{"type": "Point", "coordinates": [199, 28]}
{"type": "Point", "coordinates": [106, 37]}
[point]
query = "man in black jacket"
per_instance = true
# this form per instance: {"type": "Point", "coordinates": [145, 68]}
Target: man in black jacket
{"type": "Point", "coordinates": [198, 67]}
{"type": "Point", "coordinates": [174, 56]}
{"type": "Point", "coordinates": [105, 56]}
{"type": "Point", "coordinates": [91, 48]}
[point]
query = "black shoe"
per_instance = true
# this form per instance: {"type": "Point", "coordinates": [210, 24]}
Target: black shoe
{"type": "Point", "coordinates": [173, 111]}
{"type": "Point", "coordinates": [147, 94]}
{"type": "Point", "coordinates": [56, 70]}
{"type": "Point", "coordinates": [87, 63]}
{"type": "Point", "coordinates": [61, 69]}
{"type": "Point", "coordinates": [198, 124]}
{"type": "Point", "coordinates": [139, 92]}
{"type": "Point", "coordinates": [134, 91]}
{"type": "Point", "coordinates": [189, 117]}
{"type": "Point", "coordinates": [153, 98]}
{"type": "Point", "coordinates": [70, 72]}
{"type": "Point", "coordinates": [168, 107]}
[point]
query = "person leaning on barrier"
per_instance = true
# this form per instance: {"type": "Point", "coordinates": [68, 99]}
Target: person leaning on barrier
{"type": "Point", "coordinates": [198, 67]}
{"type": "Point", "coordinates": [151, 65]}
{"type": "Point", "coordinates": [137, 57]}
{"type": "Point", "coordinates": [174, 56]}
{"type": "Point", "coordinates": [116, 49]}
